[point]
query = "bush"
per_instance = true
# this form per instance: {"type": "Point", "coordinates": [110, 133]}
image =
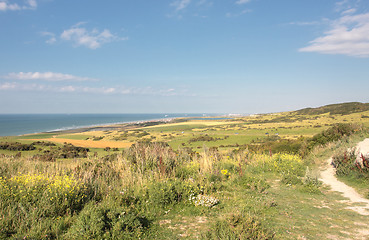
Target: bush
{"type": "Point", "coordinates": [276, 145]}
{"type": "Point", "coordinates": [334, 133]}
{"type": "Point", "coordinates": [348, 163]}
{"type": "Point", "coordinates": [107, 220]}
{"type": "Point", "coordinates": [171, 192]}
{"type": "Point", "coordinates": [239, 226]}
{"type": "Point", "coordinates": [203, 138]}
{"type": "Point", "coordinates": [45, 144]}
{"type": "Point", "coordinates": [17, 146]}
{"type": "Point", "coordinates": [70, 151]}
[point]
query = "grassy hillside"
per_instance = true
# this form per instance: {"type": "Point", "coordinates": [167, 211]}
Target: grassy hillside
{"type": "Point", "coordinates": [341, 108]}
{"type": "Point", "coordinates": [253, 177]}
{"type": "Point", "coordinates": [226, 135]}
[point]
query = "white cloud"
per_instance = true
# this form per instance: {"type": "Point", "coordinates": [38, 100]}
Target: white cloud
{"type": "Point", "coordinates": [32, 3]}
{"type": "Point", "coordinates": [52, 38]}
{"type": "Point", "coordinates": [91, 39]}
{"type": "Point", "coordinates": [347, 6]}
{"type": "Point", "coordinates": [35, 87]}
{"type": "Point", "coordinates": [4, 6]}
{"type": "Point", "coordinates": [197, 7]}
{"type": "Point", "coordinates": [205, 2]}
{"type": "Point", "coordinates": [109, 90]}
{"type": "Point", "coordinates": [349, 11]}
{"type": "Point", "coordinates": [46, 76]}
{"type": "Point", "coordinates": [243, 1]}
{"type": "Point", "coordinates": [7, 86]}
{"type": "Point", "coordinates": [24, 87]}
{"type": "Point", "coordinates": [67, 89]}
{"type": "Point", "coordinates": [238, 14]}
{"type": "Point", "coordinates": [28, 5]}
{"type": "Point", "coordinates": [168, 92]}
{"type": "Point", "coordinates": [305, 23]}
{"type": "Point", "coordinates": [348, 35]}
{"type": "Point", "coordinates": [180, 4]}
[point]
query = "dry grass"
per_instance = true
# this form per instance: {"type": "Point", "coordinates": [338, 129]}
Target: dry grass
{"type": "Point", "coordinates": [194, 122]}
{"type": "Point", "coordinates": [88, 143]}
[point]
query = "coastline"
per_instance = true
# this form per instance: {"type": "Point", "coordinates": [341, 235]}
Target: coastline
{"type": "Point", "coordinates": [28, 124]}
{"type": "Point", "coordinates": [109, 126]}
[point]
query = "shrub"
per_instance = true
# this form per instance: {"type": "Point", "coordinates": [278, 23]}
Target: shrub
{"type": "Point", "coordinates": [203, 138]}
{"type": "Point", "coordinates": [239, 226]}
{"type": "Point", "coordinates": [334, 133]}
{"type": "Point", "coordinates": [171, 192]}
{"type": "Point", "coordinates": [16, 146]}
{"type": "Point", "coordinates": [107, 220]}
{"type": "Point", "coordinates": [46, 144]}
{"type": "Point", "coordinates": [348, 163]}
{"type": "Point", "coordinates": [276, 145]}
{"type": "Point", "coordinates": [70, 151]}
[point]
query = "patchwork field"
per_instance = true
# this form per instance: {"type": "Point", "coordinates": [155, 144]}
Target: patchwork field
{"type": "Point", "coordinates": [224, 134]}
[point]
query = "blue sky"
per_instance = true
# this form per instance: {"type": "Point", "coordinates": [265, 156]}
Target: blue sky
{"type": "Point", "coordinates": [181, 56]}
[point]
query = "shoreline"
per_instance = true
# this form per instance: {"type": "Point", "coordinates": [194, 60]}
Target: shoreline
{"type": "Point", "coordinates": [118, 125]}
{"type": "Point", "coordinates": [108, 126]}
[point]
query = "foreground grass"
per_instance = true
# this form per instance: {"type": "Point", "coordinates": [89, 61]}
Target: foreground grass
{"type": "Point", "coordinates": [254, 196]}
{"type": "Point", "coordinates": [200, 182]}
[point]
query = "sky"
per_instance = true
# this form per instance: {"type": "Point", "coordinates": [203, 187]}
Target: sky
{"type": "Point", "coordinates": [181, 56]}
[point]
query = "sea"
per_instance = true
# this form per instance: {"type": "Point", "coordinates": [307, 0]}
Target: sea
{"type": "Point", "coordinates": [20, 124]}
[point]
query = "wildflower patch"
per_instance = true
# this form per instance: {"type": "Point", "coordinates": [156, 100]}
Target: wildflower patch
{"type": "Point", "coordinates": [56, 195]}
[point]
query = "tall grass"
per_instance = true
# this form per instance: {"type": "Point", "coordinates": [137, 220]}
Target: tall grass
{"type": "Point", "coordinates": [121, 195]}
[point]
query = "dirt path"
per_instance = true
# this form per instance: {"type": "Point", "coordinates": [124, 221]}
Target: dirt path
{"type": "Point", "coordinates": [328, 177]}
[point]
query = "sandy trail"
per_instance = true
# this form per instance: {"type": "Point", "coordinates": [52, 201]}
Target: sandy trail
{"type": "Point", "coordinates": [328, 177]}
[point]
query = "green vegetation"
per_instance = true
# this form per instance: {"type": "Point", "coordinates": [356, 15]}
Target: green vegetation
{"type": "Point", "coordinates": [17, 146]}
{"type": "Point", "coordinates": [249, 178]}
{"type": "Point", "coordinates": [341, 108]}
{"type": "Point", "coordinates": [335, 133]}
{"type": "Point", "coordinates": [353, 169]}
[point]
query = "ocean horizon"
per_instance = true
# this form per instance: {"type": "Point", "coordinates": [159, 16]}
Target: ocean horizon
{"type": "Point", "coordinates": [20, 124]}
